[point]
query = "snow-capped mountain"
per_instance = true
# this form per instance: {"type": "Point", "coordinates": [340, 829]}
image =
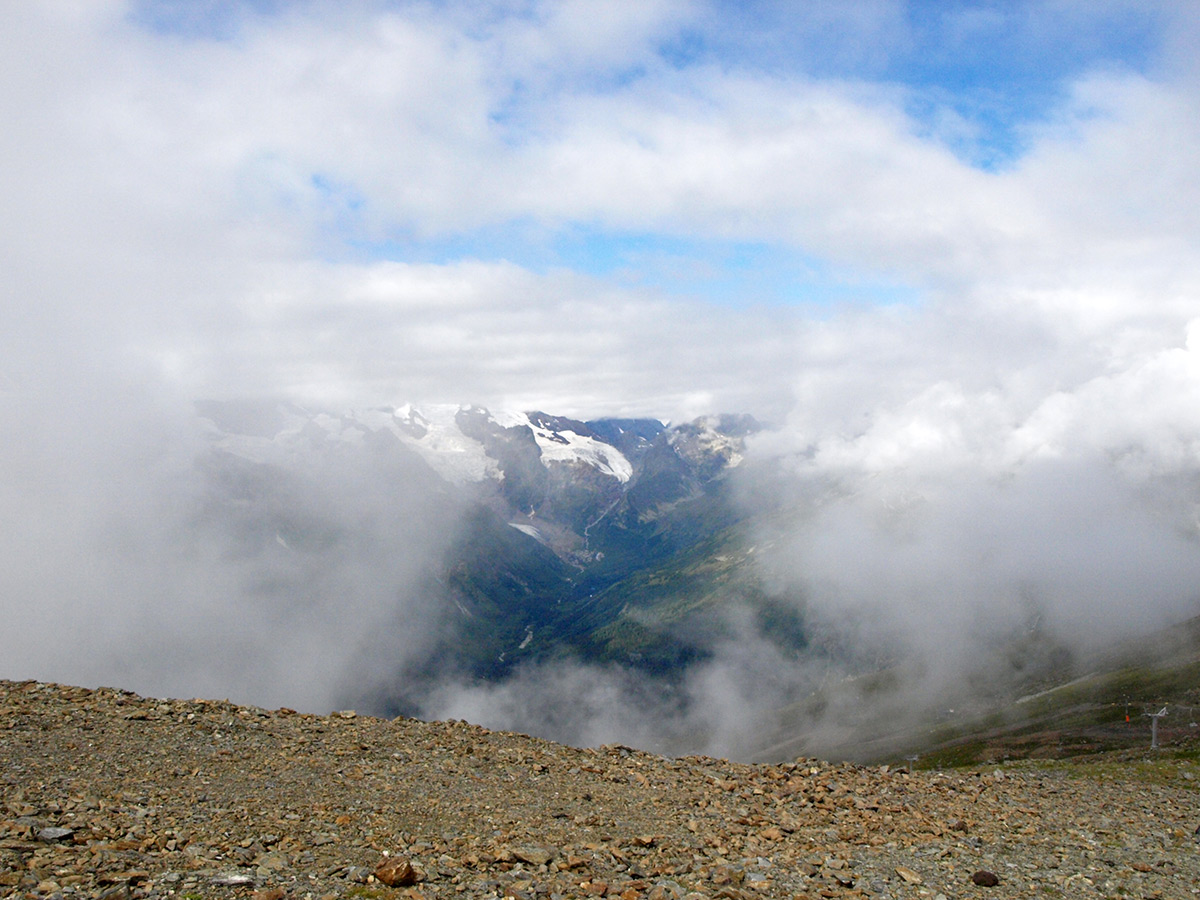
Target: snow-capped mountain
{"type": "Point", "coordinates": [454, 440]}
{"type": "Point", "coordinates": [564, 473]}
{"type": "Point", "coordinates": [558, 535]}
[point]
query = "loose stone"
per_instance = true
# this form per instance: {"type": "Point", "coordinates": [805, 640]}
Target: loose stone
{"type": "Point", "coordinates": [984, 878]}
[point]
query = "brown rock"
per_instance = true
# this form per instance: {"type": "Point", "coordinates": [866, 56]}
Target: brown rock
{"type": "Point", "coordinates": [271, 862]}
{"type": "Point", "coordinates": [984, 878]}
{"type": "Point", "coordinates": [131, 876]}
{"type": "Point", "coordinates": [534, 854]}
{"type": "Point", "coordinates": [396, 872]}
{"type": "Point", "coordinates": [727, 875]}
{"type": "Point", "coordinates": [908, 875]}
{"type": "Point", "coordinates": [665, 890]}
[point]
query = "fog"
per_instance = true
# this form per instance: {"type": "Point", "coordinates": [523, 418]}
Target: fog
{"type": "Point", "coordinates": [964, 545]}
{"type": "Point", "coordinates": [960, 589]}
{"type": "Point", "coordinates": [949, 258]}
{"type": "Point", "coordinates": [955, 539]}
{"type": "Point", "coordinates": [140, 558]}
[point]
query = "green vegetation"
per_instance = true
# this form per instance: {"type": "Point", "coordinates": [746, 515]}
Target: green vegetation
{"type": "Point", "coordinates": [372, 892]}
{"type": "Point", "coordinates": [1157, 768]}
{"type": "Point", "coordinates": [1102, 714]}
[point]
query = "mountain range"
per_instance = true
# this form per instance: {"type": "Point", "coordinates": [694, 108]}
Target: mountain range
{"type": "Point", "coordinates": [618, 541]}
{"type": "Point", "coordinates": [471, 546]}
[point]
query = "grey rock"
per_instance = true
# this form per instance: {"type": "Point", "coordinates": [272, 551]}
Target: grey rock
{"type": "Point", "coordinates": [50, 835]}
{"type": "Point", "coordinates": [231, 879]}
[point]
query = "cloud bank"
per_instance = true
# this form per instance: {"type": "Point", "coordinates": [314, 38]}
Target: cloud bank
{"type": "Point", "coordinates": [983, 365]}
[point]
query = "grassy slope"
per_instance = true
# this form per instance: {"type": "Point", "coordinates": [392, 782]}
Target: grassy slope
{"type": "Point", "coordinates": [1101, 711]}
{"type": "Point", "coordinates": [1049, 713]}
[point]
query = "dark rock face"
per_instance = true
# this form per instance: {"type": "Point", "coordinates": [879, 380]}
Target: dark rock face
{"type": "Point", "coordinates": [517, 453]}
{"type": "Point", "coordinates": [664, 477]}
{"type": "Point", "coordinates": [413, 424]}
{"type": "Point", "coordinates": [558, 424]}
{"type": "Point", "coordinates": [632, 437]}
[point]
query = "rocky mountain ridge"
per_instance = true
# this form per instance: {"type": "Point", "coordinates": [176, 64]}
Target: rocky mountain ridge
{"type": "Point", "coordinates": [562, 529]}
{"type": "Point", "coordinates": [107, 794]}
{"type": "Point", "coordinates": [532, 467]}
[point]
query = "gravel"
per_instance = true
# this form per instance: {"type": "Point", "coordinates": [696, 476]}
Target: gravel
{"type": "Point", "coordinates": [107, 794]}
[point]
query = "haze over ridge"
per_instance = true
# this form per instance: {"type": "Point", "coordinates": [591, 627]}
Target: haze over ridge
{"type": "Point", "coordinates": [970, 310]}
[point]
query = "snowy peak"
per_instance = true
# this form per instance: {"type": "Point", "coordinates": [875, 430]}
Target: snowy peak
{"type": "Point", "coordinates": [714, 442]}
{"type": "Point", "coordinates": [564, 440]}
{"type": "Point", "coordinates": [436, 433]}
{"type": "Point", "coordinates": [471, 444]}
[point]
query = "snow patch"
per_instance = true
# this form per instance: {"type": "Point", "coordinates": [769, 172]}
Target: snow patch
{"type": "Point", "coordinates": [567, 446]}
{"type": "Point", "coordinates": [711, 442]}
{"type": "Point", "coordinates": [529, 530]}
{"type": "Point", "coordinates": [456, 457]}
{"type": "Point", "coordinates": [432, 431]}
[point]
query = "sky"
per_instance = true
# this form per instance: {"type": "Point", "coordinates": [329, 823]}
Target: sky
{"type": "Point", "coordinates": [664, 208]}
{"type": "Point", "coordinates": [935, 245]}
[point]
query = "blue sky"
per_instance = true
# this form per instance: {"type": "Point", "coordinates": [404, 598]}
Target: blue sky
{"type": "Point", "coordinates": [273, 195]}
{"type": "Point", "coordinates": [978, 78]}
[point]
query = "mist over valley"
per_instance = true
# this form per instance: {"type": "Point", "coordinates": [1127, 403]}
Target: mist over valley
{"type": "Point", "coordinates": [685, 588]}
{"type": "Point", "coordinates": [755, 380]}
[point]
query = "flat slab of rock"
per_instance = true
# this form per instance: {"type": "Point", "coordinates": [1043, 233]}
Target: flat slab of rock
{"type": "Point", "coordinates": [534, 854]}
{"type": "Point", "coordinates": [51, 835]}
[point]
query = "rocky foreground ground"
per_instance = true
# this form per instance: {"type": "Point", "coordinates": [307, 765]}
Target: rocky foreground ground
{"type": "Point", "coordinates": [107, 794]}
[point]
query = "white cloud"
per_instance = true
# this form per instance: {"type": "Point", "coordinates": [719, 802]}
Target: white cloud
{"type": "Point", "coordinates": [182, 215]}
{"type": "Point", "coordinates": [495, 333]}
{"type": "Point", "coordinates": [307, 130]}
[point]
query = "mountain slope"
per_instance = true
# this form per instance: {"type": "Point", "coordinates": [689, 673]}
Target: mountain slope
{"type": "Point", "coordinates": [1080, 706]}
{"type": "Point", "coordinates": [559, 534]}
